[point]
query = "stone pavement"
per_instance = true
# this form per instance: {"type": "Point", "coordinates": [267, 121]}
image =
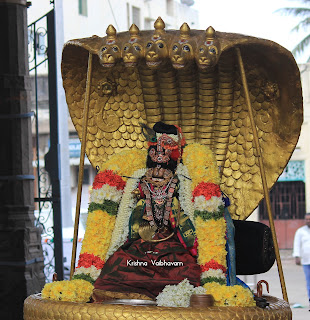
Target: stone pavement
{"type": "Point", "coordinates": [295, 285]}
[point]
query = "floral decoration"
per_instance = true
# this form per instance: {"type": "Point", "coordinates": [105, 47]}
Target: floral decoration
{"type": "Point", "coordinates": [89, 273]}
{"type": "Point", "coordinates": [106, 192]}
{"type": "Point", "coordinates": [208, 215]}
{"type": "Point", "coordinates": [127, 204]}
{"type": "Point", "coordinates": [230, 295]}
{"type": "Point", "coordinates": [109, 178]}
{"type": "Point", "coordinates": [87, 260]}
{"type": "Point", "coordinates": [178, 295]}
{"type": "Point", "coordinates": [98, 233]}
{"type": "Point", "coordinates": [112, 202]}
{"type": "Point", "coordinates": [185, 192]}
{"type": "Point", "coordinates": [75, 291]}
{"type": "Point", "coordinates": [201, 164]}
{"type": "Point", "coordinates": [126, 162]}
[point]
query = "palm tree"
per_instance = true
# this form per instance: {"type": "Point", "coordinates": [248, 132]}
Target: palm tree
{"type": "Point", "coordinates": [304, 13]}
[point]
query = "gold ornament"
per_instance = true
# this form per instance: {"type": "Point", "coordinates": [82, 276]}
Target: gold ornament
{"type": "Point", "coordinates": [204, 95]}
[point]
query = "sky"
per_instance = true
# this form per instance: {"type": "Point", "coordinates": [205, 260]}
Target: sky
{"type": "Point", "coordinates": [253, 18]}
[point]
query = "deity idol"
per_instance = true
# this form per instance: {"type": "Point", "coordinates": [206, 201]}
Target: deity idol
{"type": "Point", "coordinates": [161, 248]}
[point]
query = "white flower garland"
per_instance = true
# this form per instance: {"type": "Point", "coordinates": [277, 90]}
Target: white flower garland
{"type": "Point", "coordinates": [106, 192]}
{"type": "Point", "coordinates": [218, 273]}
{"type": "Point", "coordinates": [211, 205]}
{"type": "Point", "coordinates": [185, 193]}
{"type": "Point", "coordinates": [92, 271]}
{"type": "Point", "coordinates": [126, 206]}
{"type": "Point", "coordinates": [178, 295]}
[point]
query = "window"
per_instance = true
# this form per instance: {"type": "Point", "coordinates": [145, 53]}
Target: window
{"type": "Point", "coordinates": [170, 7]}
{"type": "Point", "coordinates": [83, 7]}
{"type": "Point", "coordinates": [136, 16]}
{"type": "Point", "coordinates": [287, 201]}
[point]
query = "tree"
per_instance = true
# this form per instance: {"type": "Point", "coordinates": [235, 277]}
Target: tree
{"type": "Point", "coordinates": [304, 14]}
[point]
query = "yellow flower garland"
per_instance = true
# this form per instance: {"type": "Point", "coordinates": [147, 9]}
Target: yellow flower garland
{"type": "Point", "coordinates": [201, 164]}
{"type": "Point", "coordinates": [230, 296]}
{"type": "Point", "coordinates": [211, 240]}
{"type": "Point", "coordinates": [74, 291]}
{"type": "Point", "coordinates": [98, 233]}
{"type": "Point", "coordinates": [126, 162]}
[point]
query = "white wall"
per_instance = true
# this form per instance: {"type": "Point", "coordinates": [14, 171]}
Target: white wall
{"type": "Point", "coordinates": [101, 13]}
{"type": "Point", "coordinates": [302, 151]}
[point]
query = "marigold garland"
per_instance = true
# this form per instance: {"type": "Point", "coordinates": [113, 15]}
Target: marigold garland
{"type": "Point", "coordinates": [126, 162]}
{"type": "Point", "coordinates": [201, 164]}
{"type": "Point", "coordinates": [200, 197]}
{"type": "Point", "coordinates": [75, 290]}
{"type": "Point", "coordinates": [230, 296]}
{"type": "Point", "coordinates": [99, 227]}
{"type": "Point", "coordinates": [211, 247]}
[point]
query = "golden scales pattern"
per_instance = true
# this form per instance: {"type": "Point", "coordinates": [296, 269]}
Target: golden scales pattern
{"type": "Point", "coordinates": [190, 78]}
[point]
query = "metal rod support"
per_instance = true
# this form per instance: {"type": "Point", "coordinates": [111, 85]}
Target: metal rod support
{"type": "Point", "coordinates": [81, 168]}
{"type": "Point", "coordinates": [263, 175]}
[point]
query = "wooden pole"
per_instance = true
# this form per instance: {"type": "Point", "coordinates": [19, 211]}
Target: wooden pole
{"type": "Point", "coordinates": [263, 175]}
{"type": "Point", "coordinates": [81, 168]}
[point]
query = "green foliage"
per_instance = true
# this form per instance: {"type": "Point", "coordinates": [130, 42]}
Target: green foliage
{"type": "Point", "coordinates": [205, 215]}
{"type": "Point", "coordinates": [304, 13]}
{"type": "Point", "coordinates": [109, 206]}
{"type": "Point", "coordinates": [85, 277]}
{"type": "Point", "coordinates": [213, 279]}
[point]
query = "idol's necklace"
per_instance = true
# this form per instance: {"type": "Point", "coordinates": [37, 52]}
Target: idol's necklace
{"type": "Point", "coordinates": [158, 202]}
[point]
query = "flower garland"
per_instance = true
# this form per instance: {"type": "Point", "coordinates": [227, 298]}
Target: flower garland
{"type": "Point", "coordinates": [185, 192]}
{"type": "Point", "coordinates": [201, 164]}
{"type": "Point", "coordinates": [74, 291]}
{"type": "Point", "coordinates": [230, 296]}
{"type": "Point", "coordinates": [112, 202]}
{"type": "Point", "coordinates": [106, 194]}
{"type": "Point", "coordinates": [178, 295]}
{"type": "Point", "coordinates": [209, 220]}
{"type": "Point", "coordinates": [126, 162]}
{"type": "Point", "coordinates": [127, 204]}
{"type": "Point", "coordinates": [208, 212]}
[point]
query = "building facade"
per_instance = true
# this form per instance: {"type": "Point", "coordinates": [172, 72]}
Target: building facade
{"type": "Point", "coordinates": [84, 18]}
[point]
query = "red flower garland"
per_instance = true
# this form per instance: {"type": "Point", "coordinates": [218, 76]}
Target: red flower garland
{"type": "Point", "coordinates": [207, 189]}
{"type": "Point", "coordinates": [87, 260]}
{"type": "Point", "coordinates": [212, 265]}
{"type": "Point", "coordinates": [110, 178]}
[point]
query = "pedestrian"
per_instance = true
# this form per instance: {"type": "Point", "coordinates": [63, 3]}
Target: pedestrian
{"type": "Point", "coordinates": [301, 250]}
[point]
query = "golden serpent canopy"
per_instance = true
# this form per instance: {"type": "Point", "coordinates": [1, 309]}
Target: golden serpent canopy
{"type": "Point", "coordinates": [189, 78]}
